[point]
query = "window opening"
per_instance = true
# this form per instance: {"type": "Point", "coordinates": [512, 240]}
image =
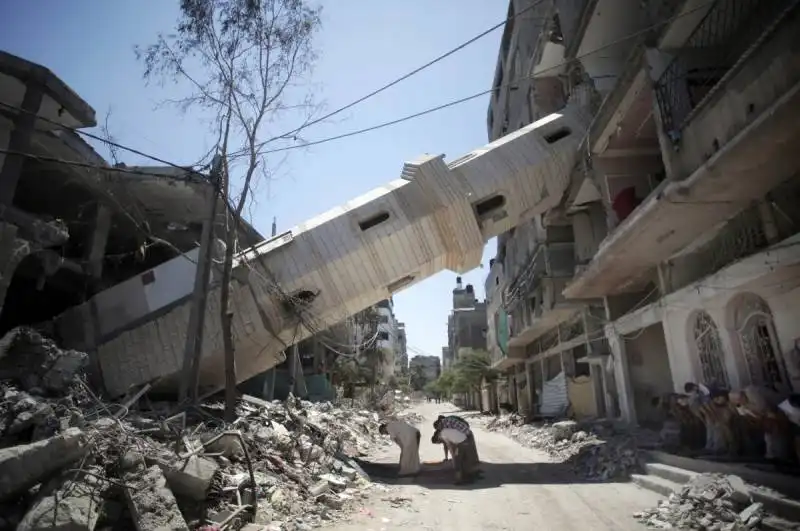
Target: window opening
{"type": "Point", "coordinates": [709, 350]}
{"type": "Point", "coordinates": [373, 221]}
{"type": "Point", "coordinates": [488, 205]}
{"type": "Point", "coordinates": [557, 135]}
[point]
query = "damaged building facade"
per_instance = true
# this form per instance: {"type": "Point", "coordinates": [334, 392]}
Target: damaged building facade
{"type": "Point", "coordinates": [298, 283]}
{"type": "Point", "coordinates": [681, 214]}
{"type": "Point", "coordinates": [72, 226]}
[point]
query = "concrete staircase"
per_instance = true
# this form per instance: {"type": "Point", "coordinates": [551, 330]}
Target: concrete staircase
{"type": "Point", "coordinates": [661, 478]}
{"type": "Point", "coordinates": [665, 478]}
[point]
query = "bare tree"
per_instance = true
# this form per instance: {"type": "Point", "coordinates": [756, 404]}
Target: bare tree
{"type": "Point", "coordinates": [242, 61]}
{"type": "Point", "coordinates": [113, 150]}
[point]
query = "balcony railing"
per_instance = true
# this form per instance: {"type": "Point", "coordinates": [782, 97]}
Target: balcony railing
{"type": "Point", "coordinates": [729, 30]}
{"type": "Point", "coordinates": [548, 260]}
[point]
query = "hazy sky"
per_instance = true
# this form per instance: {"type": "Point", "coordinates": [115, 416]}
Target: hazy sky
{"type": "Point", "coordinates": [363, 45]}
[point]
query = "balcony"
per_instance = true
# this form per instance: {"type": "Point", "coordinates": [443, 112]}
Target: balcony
{"type": "Point", "coordinates": [598, 33]}
{"type": "Point", "coordinates": [534, 297]}
{"type": "Point", "coordinates": [728, 131]}
{"type": "Point", "coordinates": [727, 31]}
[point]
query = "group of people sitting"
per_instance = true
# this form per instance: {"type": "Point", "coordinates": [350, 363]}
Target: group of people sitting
{"type": "Point", "coordinates": [754, 421]}
{"type": "Point", "coordinates": [451, 431]}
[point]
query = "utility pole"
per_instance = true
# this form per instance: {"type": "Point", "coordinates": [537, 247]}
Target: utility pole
{"type": "Point", "coordinates": [194, 333]}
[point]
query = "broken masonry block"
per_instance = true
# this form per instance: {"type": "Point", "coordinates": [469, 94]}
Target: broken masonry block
{"type": "Point", "coordinates": [191, 477]}
{"type": "Point", "coordinates": [74, 506]}
{"type": "Point", "coordinates": [150, 502]}
{"type": "Point", "coordinates": [26, 465]}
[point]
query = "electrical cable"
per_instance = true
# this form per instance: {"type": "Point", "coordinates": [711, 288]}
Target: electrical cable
{"type": "Point", "coordinates": [484, 92]}
{"type": "Point", "coordinates": [375, 127]}
{"type": "Point", "coordinates": [408, 75]}
{"type": "Point", "coordinates": [346, 135]}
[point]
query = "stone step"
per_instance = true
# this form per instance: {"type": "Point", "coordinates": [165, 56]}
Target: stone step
{"type": "Point", "coordinates": [662, 486]}
{"type": "Point", "coordinates": [664, 479]}
{"type": "Point", "coordinates": [669, 472]}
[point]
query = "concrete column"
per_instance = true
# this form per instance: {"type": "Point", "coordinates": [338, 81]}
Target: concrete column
{"type": "Point", "coordinates": [622, 376]}
{"type": "Point", "coordinates": [96, 246]}
{"type": "Point", "coordinates": [12, 252]}
{"type": "Point", "coordinates": [531, 387]}
{"type": "Point", "coordinates": [600, 398]}
{"type": "Point", "coordinates": [19, 141]}
{"type": "Point", "coordinates": [522, 376]}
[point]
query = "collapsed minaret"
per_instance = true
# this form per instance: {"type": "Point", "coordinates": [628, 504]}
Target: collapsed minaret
{"type": "Point", "coordinates": [436, 216]}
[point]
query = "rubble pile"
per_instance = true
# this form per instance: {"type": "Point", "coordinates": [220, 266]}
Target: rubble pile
{"type": "Point", "coordinates": [73, 461]}
{"type": "Point", "coordinates": [710, 502]}
{"type": "Point", "coordinates": [596, 450]}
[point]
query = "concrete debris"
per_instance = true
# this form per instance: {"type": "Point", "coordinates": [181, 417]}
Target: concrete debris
{"type": "Point", "coordinates": [27, 465]}
{"type": "Point", "coordinates": [72, 460]}
{"type": "Point", "coordinates": [74, 505]}
{"type": "Point", "coordinates": [596, 450]}
{"type": "Point", "coordinates": [36, 362]}
{"type": "Point", "coordinates": [152, 505]}
{"type": "Point", "coordinates": [711, 502]}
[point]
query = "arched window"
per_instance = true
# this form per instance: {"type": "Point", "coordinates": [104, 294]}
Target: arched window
{"type": "Point", "coordinates": [709, 351]}
{"type": "Point", "coordinates": [752, 320]}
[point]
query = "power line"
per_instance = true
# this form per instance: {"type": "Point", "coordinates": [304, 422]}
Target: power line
{"type": "Point", "coordinates": [484, 92]}
{"type": "Point", "coordinates": [406, 76]}
{"type": "Point", "coordinates": [111, 169]}
{"type": "Point", "coordinates": [101, 139]}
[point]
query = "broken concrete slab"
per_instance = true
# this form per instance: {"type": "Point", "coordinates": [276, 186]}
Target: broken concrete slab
{"type": "Point", "coordinates": [320, 487]}
{"type": "Point", "coordinates": [26, 465]}
{"type": "Point", "coordinates": [62, 373]}
{"type": "Point", "coordinates": [191, 477]}
{"type": "Point", "coordinates": [74, 506]}
{"type": "Point", "coordinates": [227, 445]}
{"type": "Point", "coordinates": [150, 502]}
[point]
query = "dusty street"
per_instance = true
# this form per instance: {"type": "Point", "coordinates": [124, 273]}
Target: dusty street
{"type": "Point", "coordinates": [521, 490]}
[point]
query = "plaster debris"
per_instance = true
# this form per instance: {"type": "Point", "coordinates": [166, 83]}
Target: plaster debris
{"type": "Point", "coordinates": [596, 450]}
{"type": "Point", "coordinates": [74, 505]}
{"type": "Point", "coordinates": [711, 502]}
{"type": "Point", "coordinates": [152, 505]}
{"type": "Point", "coordinates": [149, 465]}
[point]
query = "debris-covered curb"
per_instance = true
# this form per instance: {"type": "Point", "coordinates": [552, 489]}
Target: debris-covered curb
{"type": "Point", "coordinates": [596, 450]}
{"type": "Point", "coordinates": [72, 460]}
{"type": "Point", "coordinates": [709, 501]}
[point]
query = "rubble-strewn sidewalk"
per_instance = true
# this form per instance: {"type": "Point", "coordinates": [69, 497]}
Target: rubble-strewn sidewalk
{"type": "Point", "coordinates": [711, 502]}
{"type": "Point", "coordinates": [597, 451]}
{"type": "Point", "coordinates": [72, 461]}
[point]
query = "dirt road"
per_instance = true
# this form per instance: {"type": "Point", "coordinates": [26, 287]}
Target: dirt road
{"type": "Point", "coordinates": [521, 490]}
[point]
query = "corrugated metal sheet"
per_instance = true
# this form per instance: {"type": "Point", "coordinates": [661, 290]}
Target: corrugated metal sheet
{"type": "Point", "coordinates": [555, 399]}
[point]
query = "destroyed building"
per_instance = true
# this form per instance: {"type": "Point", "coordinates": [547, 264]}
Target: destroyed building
{"type": "Point", "coordinates": [133, 318]}
{"type": "Point", "coordinates": [673, 255]}
{"type": "Point", "coordinates": [77, 229]}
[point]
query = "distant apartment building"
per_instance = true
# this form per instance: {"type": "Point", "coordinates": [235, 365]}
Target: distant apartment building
{"type": "Point", "coordinates": [466, 324]}
{"type": "Point", "coordinates": [674, 255]}
{"type": "Point", "coordinates": [429, 366]}
{"type": "Point", "coordinates": [385, 338]}
{"type": "Point", "coordinates": [447, 356]}
{"type": "Point", "coordinates": [401, 350]}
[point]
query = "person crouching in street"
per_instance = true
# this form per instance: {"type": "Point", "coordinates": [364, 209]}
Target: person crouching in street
{"type": "Point", "coordinates": [455, 433]}
{"type": "Point", "coordinates": [407, 437]}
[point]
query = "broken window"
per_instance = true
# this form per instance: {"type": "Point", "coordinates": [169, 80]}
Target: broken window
{"type": "Point", "coordinates": [383, 336]}
{"type": "Point", "coordinates": [373, 221]}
